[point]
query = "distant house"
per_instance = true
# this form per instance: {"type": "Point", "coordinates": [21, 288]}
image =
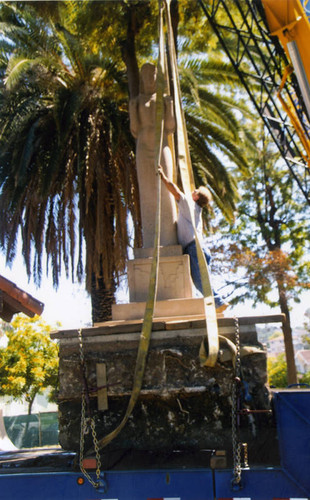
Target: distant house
{"type": "Point", "coordinates": [303, 361]}
{"type": "Point", "coordinates": [275, 345]}
{"type": "Point", "coordinates": [298, 338]}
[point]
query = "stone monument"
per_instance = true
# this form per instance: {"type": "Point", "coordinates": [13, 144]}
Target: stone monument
{"type": "Point", "coordinates": [182, 406]}
{"type": "Point", "coordinates": [142, 111]}
{"type": "Point", "coordinates": [174, 280]}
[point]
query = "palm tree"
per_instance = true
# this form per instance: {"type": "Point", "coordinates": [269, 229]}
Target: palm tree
{"type": "Point", "coordinates": [215, 133]}
{"type": "Point", "coordinates": [67, 162]}
{"type": "Point", "coordinates": [66, 155]}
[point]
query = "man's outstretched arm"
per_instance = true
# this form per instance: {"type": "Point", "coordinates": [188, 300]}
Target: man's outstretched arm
{"type": "Point", "coordinates": [173, 188]}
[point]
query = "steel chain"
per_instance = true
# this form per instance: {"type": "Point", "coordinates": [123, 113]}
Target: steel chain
{"type": "Point", "coordinates": [245, 454]}
{"type": "Point", "coordinates": [236, 481]}
{"type": "Point", "coordinates": [87, 423]}
{"type": "Point", "coordinates": [96, 446]}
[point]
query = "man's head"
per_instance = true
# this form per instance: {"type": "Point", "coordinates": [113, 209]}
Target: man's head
{"type": "Point", "coordinates": [202, 196]}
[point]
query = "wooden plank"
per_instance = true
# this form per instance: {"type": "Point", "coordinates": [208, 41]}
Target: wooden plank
{"type": "Point", "coordinates": [102, 393]}
{"type": "Point", "coordinates": [20, 300]}
{"type": "Point", "coordinates": [127, 327]}
{"type": "Point", "coordinates": [110, 329]}
{"type": "Point", "coordinates": [267, 318]}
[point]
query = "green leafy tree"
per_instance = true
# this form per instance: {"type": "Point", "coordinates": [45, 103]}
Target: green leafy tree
{"type": "Point", "coordinates": [270, 241]}
{"type": "Point", "coordinates": [277, 371]}
{"type": "Point", "coordinates": [305, 379]}
{"type": "Point", "coordinates": [29, 362]}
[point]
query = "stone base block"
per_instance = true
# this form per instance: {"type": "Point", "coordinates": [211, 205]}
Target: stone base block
{"type": "Point", "coordinates": [181, 308]}
{"type": "Point", "coordinates": [168, 251]}
{"type": "Point", "coordinates": [174, 279]}
{"type": "Point", "coordinates": [175, 424]}
{"type": "Point", "coordinates": [182, 406]}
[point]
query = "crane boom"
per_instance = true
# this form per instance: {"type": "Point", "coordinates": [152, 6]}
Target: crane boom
{"type": "Point", "coordinates": [288, 21]}
{"type": "Point", "coordinates": [257, 55]}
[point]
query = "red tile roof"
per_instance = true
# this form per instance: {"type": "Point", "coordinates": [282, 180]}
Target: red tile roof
{"type": "Point", "coordinates": [14, 300]}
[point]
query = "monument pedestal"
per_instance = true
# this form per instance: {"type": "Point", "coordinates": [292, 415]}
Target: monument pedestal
{"type": "Point", "coordinates": [174, 279]}
{"type": "Point", "coordinates": [175, 291]}
{"type": "Point", "coordinates": [182, 406]}
{"type": "Point", "coordinates": [164, 309]}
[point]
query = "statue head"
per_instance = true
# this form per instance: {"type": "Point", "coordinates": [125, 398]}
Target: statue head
{"type": "Point", "coordinates": [148, 74]}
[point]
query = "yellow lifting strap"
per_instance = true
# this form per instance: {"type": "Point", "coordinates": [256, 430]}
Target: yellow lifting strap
{"type": "Point", "coordinates": [145, 336]}
{"type": "Point", "coordinates": [208, 359]}
{"type": "Point", "coordinates": [208, 356]}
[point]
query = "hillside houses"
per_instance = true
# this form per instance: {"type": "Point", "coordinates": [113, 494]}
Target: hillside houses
{"type": "Point", "coordinates": [302, 358]}
{"type": "Point", "coordinates": [272, 337]}
{"type": "Point", "coordinates": [275, 344]}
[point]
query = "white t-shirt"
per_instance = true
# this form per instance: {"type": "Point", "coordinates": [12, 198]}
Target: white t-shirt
{"type": "Point", "coordinates": [186, 232]}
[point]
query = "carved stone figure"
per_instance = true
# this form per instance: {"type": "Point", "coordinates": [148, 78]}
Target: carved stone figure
{"type": "Point", "coordinates": [142, 125]}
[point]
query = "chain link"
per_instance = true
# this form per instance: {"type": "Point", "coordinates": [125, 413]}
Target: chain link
{"type": "Point", "coordinates": [86, 424]}
{"type": "Point", "coordinates": [236, 481]}
{"type": "Point", "coordinates": [96, 446]}
{"type": "Point", "coordinates": [245, 454]}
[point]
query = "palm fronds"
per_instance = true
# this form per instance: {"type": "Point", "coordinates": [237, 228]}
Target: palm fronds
{"type": "Point", "coordinates": [66, 153]}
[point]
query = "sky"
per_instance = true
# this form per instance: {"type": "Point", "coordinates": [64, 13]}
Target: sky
{"type": "Point", "coordinates": [70, 304]}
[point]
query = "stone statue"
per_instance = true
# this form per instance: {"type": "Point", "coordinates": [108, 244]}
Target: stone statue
{"type": "Point", "coordinates": [142, 125]}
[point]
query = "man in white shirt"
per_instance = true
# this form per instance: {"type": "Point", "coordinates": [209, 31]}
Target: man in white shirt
{"type": "Point", "coordinates": [201, 197]}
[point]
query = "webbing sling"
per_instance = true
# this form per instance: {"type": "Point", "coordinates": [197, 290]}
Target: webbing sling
{"type": "Point", "coordinates": [208, 356]}
{"type": "Point", "coordinates": [145, 336]}
{"type": "Point", "coordinates": [188, 185]}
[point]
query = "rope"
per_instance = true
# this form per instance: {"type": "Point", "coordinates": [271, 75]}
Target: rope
{"type": "Point", "coordinates": [208, 356]}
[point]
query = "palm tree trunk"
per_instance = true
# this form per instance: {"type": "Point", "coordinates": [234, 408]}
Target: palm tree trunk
{"type": "Point", "coordinates": [102, 299]}
{"type": "Point", "coordinates": [129, 51]}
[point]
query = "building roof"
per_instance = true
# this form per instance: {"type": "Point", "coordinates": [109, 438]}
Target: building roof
{"type": "Point", "coordinates": [13, 300]}
{"type": "Point", "coordinates": [304, 354]}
